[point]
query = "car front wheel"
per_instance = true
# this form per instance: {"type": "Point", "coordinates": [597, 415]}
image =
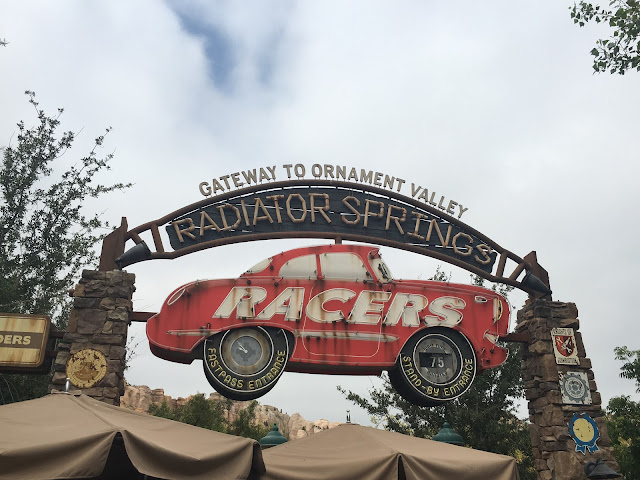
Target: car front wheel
{"type": "Point", "coordinates": [245, 363]}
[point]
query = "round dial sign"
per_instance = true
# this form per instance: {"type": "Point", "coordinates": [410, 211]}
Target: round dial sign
{"type": "Point", "coordinates": [86, 368]}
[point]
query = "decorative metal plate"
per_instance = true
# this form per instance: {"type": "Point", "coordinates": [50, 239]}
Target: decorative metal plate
{"type": "Point", "coordinates": [585, 432]}
{"type": "Point", "coordinates": [575, 388]}
{"type": "Point", "coordinates": [86, 368]}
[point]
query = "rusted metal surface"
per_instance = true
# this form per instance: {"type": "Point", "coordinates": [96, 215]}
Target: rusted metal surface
{"type": "Point", "coordinates": [350, 320]}
{"type": "Point", "coordinates": [518, 270]}
{"type": "Point", "coordinates": [157, 240]}
{"type": "Point", "coordinates": [113, 246]}
{"type": "Point", "coordinates": [501, 264]}
{"type": "Point", "coordinates": [516, 338]}
{"type": "Point", "coordinates": [141, 316]}
{"type": "Point", "coordinates": [344, 313]}
{"type": "Point", "coordinates": [531, 259]}
{"type": "Point", "coordinates": [384, 217]}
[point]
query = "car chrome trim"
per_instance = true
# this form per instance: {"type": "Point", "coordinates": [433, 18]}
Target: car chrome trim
{"type": "Point", "coordinates": [376, 337]}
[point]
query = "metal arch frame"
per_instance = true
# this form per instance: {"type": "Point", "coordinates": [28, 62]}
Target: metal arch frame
{"type": "Point", "coordinates": [113, 244]}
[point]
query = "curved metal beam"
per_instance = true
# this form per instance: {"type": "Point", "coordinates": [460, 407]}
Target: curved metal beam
{"type": "Point", "coordinates": [535, 283]}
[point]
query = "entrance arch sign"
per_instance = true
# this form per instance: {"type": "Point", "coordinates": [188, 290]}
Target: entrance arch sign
{"type": "Point", "coordinates": [338, 210]}
{"type": "Point", "coordinates": [312, 310]}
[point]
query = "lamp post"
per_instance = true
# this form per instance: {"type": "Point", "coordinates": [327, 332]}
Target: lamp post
{"type": "Point", "coordinates": [448, 435]}
{"type": "Point", "coordinates": [598, 469]}
{"type": "Point", "coordinates": [273, 438]}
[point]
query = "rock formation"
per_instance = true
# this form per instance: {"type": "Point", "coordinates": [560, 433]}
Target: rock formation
{"type": "Point", "coordinates": [139, 398]}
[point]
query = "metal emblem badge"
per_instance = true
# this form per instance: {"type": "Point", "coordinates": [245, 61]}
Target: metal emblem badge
{"type": "Point", "coordinates": [86, 368]}
{"type": "Point", "coordinates": [564, 346]}
{"type": "Point", "coordinates": [584, 431]}
{"type": "Point", "coordinates": [575, 388]}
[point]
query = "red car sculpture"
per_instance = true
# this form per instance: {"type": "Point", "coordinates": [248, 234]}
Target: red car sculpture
{"type": "Point", "coordinates": [332, 309]}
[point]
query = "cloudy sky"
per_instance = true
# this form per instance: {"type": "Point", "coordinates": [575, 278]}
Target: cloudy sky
{"type": "Point", "coordinates": [491, 104]}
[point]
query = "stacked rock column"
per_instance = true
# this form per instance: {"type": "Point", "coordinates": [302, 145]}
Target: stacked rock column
{"type": "Point", "coordinates": [99, 320]}
{"type": "Point", "coordinates": [553, 448]}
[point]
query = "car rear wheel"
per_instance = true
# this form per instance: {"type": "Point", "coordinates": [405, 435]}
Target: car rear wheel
{"type": "Point", "coordinates": [245, 363]}
{"type": "Point", "coordinates": [435, 366]}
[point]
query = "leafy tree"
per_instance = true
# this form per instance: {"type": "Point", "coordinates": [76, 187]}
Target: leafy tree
{"type": "Point", "coordinates": [623, 419]}
{"type": "Point", "coordinates": [618, 53]}
{"type": "Point", "coordinates": [623, 424]}
{"type": "Point", "coordinates": [45, 236]}
{"type": "Point", "coordinates": [631, 368]}
{"type": "Point", "coordinates": [198, 411]}
{"type": "Point", "coordinates": [244, 426]}
{"type": "Point", "coordinates": [206, 413]}
{"type": "Point", "coordinates": [212, 414]}
{"type": "Point", "coordinates": [484, 415]}
{"type": "Point", "coordinates": [16, 387]}
{"type": "Point", "coordinates": [163, 410]}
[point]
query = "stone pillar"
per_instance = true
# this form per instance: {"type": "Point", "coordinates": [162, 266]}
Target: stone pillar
{"type": "Point", "coordinates": [554, 450]}
{"type": "Point", "coordinates": [99, 320]}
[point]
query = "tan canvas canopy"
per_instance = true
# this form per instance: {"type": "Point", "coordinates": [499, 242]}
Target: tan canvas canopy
{"type": "Point", "coordinates": [70, 436]}
{"type": "Point", "coordinates": [351, 451]}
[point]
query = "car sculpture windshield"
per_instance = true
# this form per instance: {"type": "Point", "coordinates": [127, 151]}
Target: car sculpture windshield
{"type": "Point", "coordinates": [332, 309]}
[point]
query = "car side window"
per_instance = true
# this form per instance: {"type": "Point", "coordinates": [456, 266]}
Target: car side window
{"type": "Point", "coordinates": [381, 270]}
{"type": "Point", "coordinates": [260, 266]}
{"type": "Point", "coordinates": [300, 267]}
{"type": "Point", "coordinates": [343, 266]}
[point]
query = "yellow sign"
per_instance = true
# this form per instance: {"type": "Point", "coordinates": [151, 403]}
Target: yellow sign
{"type": "Point", "coordinates": [86, 368]}
{"type": "Point", "coordinates": [23, 339]}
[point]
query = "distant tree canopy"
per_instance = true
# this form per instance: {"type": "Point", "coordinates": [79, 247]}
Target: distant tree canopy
{"type": "Point", "coordinates": [45, 236]}
{"type": "Point", "coordinates": [623, 419]}
{"type": "Point", "coordinates": [213, 414]}
{"type": "Point", "coordinates": [619, 52]}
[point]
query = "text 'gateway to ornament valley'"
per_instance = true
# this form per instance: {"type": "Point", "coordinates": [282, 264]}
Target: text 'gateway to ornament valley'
{"type": "Point", "coordinates": [256, 176]}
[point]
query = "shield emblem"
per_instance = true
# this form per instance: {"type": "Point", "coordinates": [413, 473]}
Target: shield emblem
{"type": "Point", "coordinates": [565, 345]}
